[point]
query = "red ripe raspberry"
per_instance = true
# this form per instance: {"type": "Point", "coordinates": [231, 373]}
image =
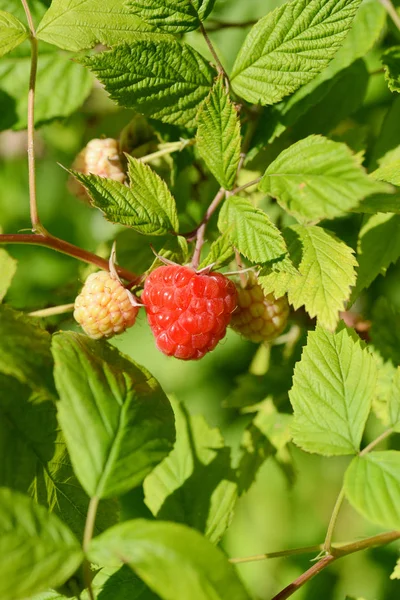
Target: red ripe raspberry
{"type": "Point", "coordinates": [188, 312]}
{"type": "Point", "coordinates": [99, 157]}
{"type": "Point", "coordinates": [259, 317]}
{"type": "Point", "coordinates": [103, 308]}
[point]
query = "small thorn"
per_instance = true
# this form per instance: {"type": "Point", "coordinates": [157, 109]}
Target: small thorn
{"type": "Point", "coordinates": [111, 262]}
{"type": "Point", "coordinates": [206, 269]}
{"type": "Point", "coordinates": [133, 300]}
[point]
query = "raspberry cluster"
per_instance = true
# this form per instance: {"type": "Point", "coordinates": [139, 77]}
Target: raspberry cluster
{"type": "Point", "coordinates": [259, 317]}
{"type": "Point", "coordinates": [104, 308]}
{"type": "Point", "coordinates": [188, 312]}
{"type": "Point", "coordinates": [100, 157]}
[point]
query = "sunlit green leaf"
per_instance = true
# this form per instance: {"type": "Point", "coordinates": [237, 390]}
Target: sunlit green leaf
{"type": "Point", "coordinates": [218, 135]}
{"type": "Point", "coordinates": [163, 79]}
{"type": "Point", "coordinates": [12, 32]}
{"type": "Point", "coordinates": [289, 46]}
{"type": "Point", "coordinates": [333, 387]}
{"type": "Point", "coordinates": [8, 267]}
{"type": "Point", "coordinates": [176, 562]}
{"type": "Point", "coordinates": [326, 272]}
{"type": "Point", "coordinates": [391, 63]}
{"type": "Point", "coordinates": [372, 486]}
{"type": "Point", "coordinates": [317, 179]}
{"type": "Point", "coordinates": [251, 231]}
{"type": "Point", "coordinates": [172, 16]}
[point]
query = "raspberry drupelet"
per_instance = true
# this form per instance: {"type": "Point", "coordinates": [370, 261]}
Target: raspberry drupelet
{"type": "Point", "coordinates": [104, 308]}
{"type": "Point", "coordinates": [259, 317]}
{"type": "Point", "coordinates": [188, 312]}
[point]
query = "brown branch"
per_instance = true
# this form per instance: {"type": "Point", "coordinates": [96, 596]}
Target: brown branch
{"type": "Point", "coordinates": [49, 241]}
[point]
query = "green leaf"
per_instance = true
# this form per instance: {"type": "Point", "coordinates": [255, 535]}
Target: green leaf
{"type": "Point", "coordinates": [289, 46]}
{"type": "Point", "coordinates": [372, 486]}
{"type": "Point", "coordinates": [377, 248]}
{"type": "Point", "coordinates": [333, 387]}
{"type": "Point", "coordinates": [117, 422]}
{"type": "Point", "coordinates": [382, 203]}
{"type": "Point", "coordinates": [35, 460]}
{"type": "Point", "coordinates": [37, 550]}
{"type": "Point", "coordinates": [176, 562]}
{"type": "Point", "coordinates": [25, 350]}
{"type": "Point", "coordinates": [389, 172]}
{"type": "Point", "coordinates": [163, 79]}
{"type": "Point", "coordinates": [385, 330]}
{"type": "Point", "coordinates": [366, 29]}
{"type": "Point", "coordinates": [218, 135]}
{"type": "Point", "coordinates": [251, 231]}
{"type": "Point", "coordinates": [79, 24]}
{"type": "Point", "coordinates": [172, 16]}
{"type": "Point", "coordinates": [326, 273]}
{"type": "Point", "coordinates": [267, 434]}
{"type": "Point", "coordinates": [316, 179]}
{"type": "Point", "coordinates": [221, 252]}
{"type": "Point", "coordinates": [61, 87]}
{"type": "Point", "coordinates": [146, 205]}
{"type": "Point", "coordinates": [396, 571]}
{"type": "Point", "coordinates": [390, 402]}
{"type": "Point", "coordinates": [8, 267]}
{"type": "Point", "coordinates": [195, 484]}
{"type": "Point", "coordinates": [123, 584]}
{"type": "Point", "coordinates": [391, 64]}
{"type": "Point", "coordinates": [12, 32]}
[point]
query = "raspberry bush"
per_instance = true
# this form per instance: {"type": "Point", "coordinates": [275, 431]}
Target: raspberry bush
{"type": "Point", "coordinates": [239, 166]}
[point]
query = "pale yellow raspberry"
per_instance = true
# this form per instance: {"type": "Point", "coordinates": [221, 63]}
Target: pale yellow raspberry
{"type": "Point", "coordinates": [103, 308]}
{"type": "Point", "coordinates": [100, 157]}
{"type": "Point", "coordinates": [259, 317]}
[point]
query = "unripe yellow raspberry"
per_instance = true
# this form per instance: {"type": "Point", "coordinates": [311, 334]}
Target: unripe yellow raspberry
{"type": "Point", "coordinates": [259, 317]}
{"type": "Point", "coordinates": [104, 308]}
{"type": "Point", "coordinates": [100, 157]}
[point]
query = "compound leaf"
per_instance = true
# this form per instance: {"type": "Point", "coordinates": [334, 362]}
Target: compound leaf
{"type": "Point", "coordinates": [317, 178]}
{"type": "Point", "coordinates": [251, 231]}
{"type": "Point", "coordinates": [12, 32]}
{"type": "Point", "coordinates": [333, 388]}
{"type": "Point", "coordinates": [218, 135]}
{"type": "Point", "coordinates": [117, 422]}
{"type": "Point", "coordinates": [37, 550]}
{"type": "Point", "coordinates": [326, 272]}
{"type": "Point", "coordinates": [172, 16]}
{"type": "Point", "coordinates": [289, 46]}
{"type": "Point", "coordinates": [174, 561]}
{"type": "Point", "coordinates": [372, 486]}
{"type": "Point", "coordinates": [164, 79]}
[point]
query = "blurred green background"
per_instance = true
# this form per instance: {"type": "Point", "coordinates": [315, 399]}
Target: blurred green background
{"type": "Point", "coordinates": [274, 514]}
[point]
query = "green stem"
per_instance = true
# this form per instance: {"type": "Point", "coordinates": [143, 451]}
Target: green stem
{"type": "Point", "coordinates": [59, 245]}
{"type": "Point", "coordinates": [52, 310]}
{"type": "Point", "coordinates": [377, 441]}
{"type": "Point", "coordinates": [87, 536]}
{"type": "Point", "coordinates": [333, 519]}
{"type": "Point", "coordinates": [209, 43]}
{"type": "Point", "coordinates": [392, 12]}
{"type": "Point", "coordinates": [166, 149]}
{"type": "Point", "coordinates": [202, 227]}
{"type": "Point", "coordinates": [280, 554]}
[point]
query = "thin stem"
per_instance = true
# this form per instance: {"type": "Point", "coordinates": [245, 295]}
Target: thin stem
{"type": "Point", "coordinates": [240, 188]}
{"type": "Point", "coordinates": [87, 536]}
{"type": "Point", "coordinates": [300, 581]}
{"type": "Point", "coordinates": [166, 149]}
{"type": "Point", "coordinates": [339, 550]}
{"type": "Point", "coordinates": [280, 554]}
{"type": "Point", "coordinates": [333, 519]}
{"type": "Point", "coordinates": [66, 248]}
{"type": "Point", "coordinates": [36, 225]}
{"type": "Point", "coordinates": [52, 310]}
{"type": "Point", "coordinates": [219, 65]}
{"type": "Point", "coordinates": [392, 12]}
{"type": "Point", "coordinates": [377, 441]}
{"type": "Point", "coordinates": [202, 227]}
{"type": "Point", "coordinates": [213, 25]}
